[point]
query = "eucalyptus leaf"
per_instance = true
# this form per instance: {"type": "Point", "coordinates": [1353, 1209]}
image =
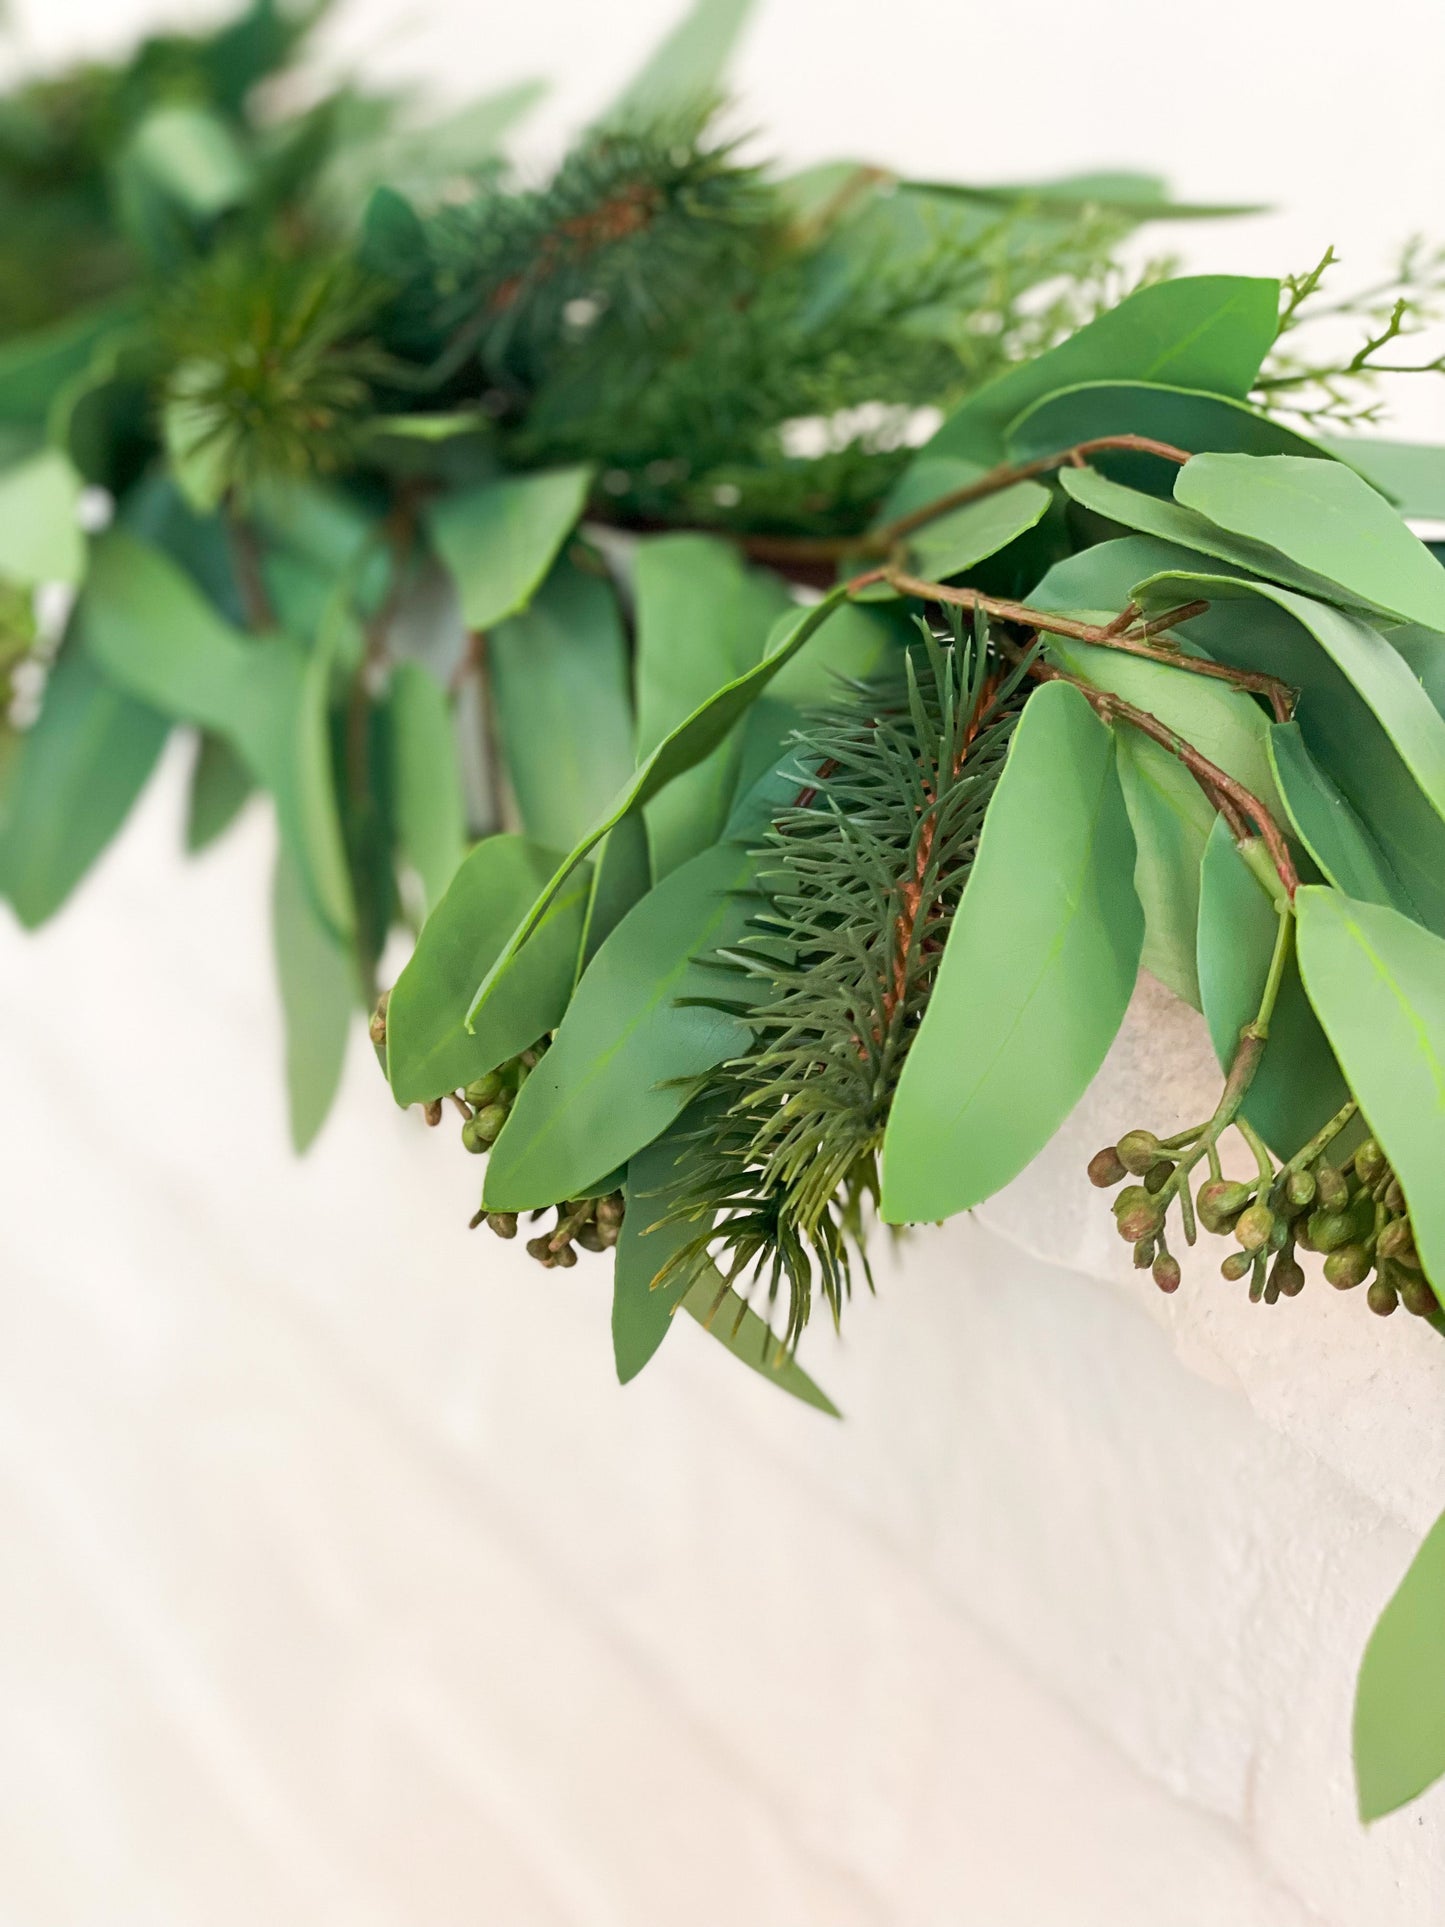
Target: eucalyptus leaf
{"type": "Point", "coordinates": [192, 156]}
{"type": "Point", "coordinates": [1329, 827]}
{"type": "Point", "coordinates": [429, 1049]}
{"type": "Point", "coordinates": [317, 977]}
{"type": "Point", "coordinates": [35, 368]}
{"type": "Point", "coordinates": [81, 767]}
{"type": "Point", "coordinates": [40, 538]}
{"type": "Point", "coordinates": [1298, 1086]}
{"type": "Point", "coordinates": [642, 1314]}
{"type": "Point", "coordinates": [500, 538]}
{"type": "Point", "coordinates": [682, 750]}
{"type": "Point", "coordinates": [703, 619]}
{"type": "Point", "coordinates": [963, 537]}
{"type": "Point", "coordinates": [686, 70]}
{"type": "Point", "coordinates": [559, 679]}
{"type": "Point", "coordinates": [1171, 819]}
{"type": "Point", "coordinates": [425, 779]}
{"type": "Point", "coordinates": [220, 785]}
{"type": "Point", "coordinates": [1036, 973]}
{"type": "Point", "coordinates": [724, 1315]}
{"type": "Point", "coordinates": [1144, 197]}
{"type": "Point", "coordinates": [1411, 474]}
{"type": "Point", "coordinates": [1399, 1724]}
{"type": "Point", "coordinates": [641, 1028]}
{"type": "Point", "coordinates": [1377, 982]}
{"type": "Point", "coordinates": [1326, 518]}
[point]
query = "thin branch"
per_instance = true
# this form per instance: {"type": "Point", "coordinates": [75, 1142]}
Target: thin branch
{"type": "Point", "coordinates": [246, 561]}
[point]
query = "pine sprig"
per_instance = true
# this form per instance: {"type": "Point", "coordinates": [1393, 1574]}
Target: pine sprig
{"type": "Point", "coordinates": [861, 877]}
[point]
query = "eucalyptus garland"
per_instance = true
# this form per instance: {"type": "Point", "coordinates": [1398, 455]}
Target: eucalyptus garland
{"type": "Point", "coordinates": [788, 650]}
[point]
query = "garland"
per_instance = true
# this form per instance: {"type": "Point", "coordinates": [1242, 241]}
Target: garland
{"type": "Point", "coordinates": [782, 809]}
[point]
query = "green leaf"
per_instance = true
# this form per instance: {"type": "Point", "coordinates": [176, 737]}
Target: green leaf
{"type": "Point", "coordinates": [724, 1315]}
{"type": "Point", "coordinates": [1298, 1086]}
{"type": "Point", "coordinates": [638, 1032]}
{"type": "Point", "coordinates": [40, 539]}
{"type": "Point", "coordinates": [429, 1050]}
{"type": "Point", "coordinates": [1184, 417]}
{"type": "Point", "coordinates": [1377, 981]}
{"type": "Point", "coordinates": [969, 535]}
{"type": "Point", "coordinates": [220, 785]}
{"type": "Point", "coordinates": [155, 634]}
{"type": "Point", "coordinates": [1144, 196]}
{"type": "Point", "coordinates": [642, 1316]}
{"type": "Point", "coordinates": [621, 876]}
{"type": "Point", "coordinates": [1328, 519]}
{"type": "Point", "coordinates": [1171, 819]}
{"type": "Point", "coordinates": [703, 619]}
{"type": "Point", "coordinates": [1100, 580]}
{"type": "Point", "coordinates": [1330, 829]}
{"type": "Point", "coordinates": [192, 157]}
{"type": "Point", "coordinates": [1036, 973]}
{"type": "Point", "coordinates": [559, 678]}
{"type": "Point", "coordinates": [80, 769]}
{"type": "Point", "coordinates": [687, 745]}
{"type": "Point", "coordinates": [426, 781]}
{"type": "Point", "coordinates": [1399, 1736]}
{"type": "Point", "coordinates": [318, 993]}
{"type": "Point", "coordinates": [1362, 714]}
{"type": "Point", "coordinates": [1411, 474]}
{"type": "Point", "coordinates": [1208, 331]}
{"type": "Point", "coordinates": [500, 538]}
{"type": "Point", "coordinates": [686, 70]}
{"type": "Point", "coordinates": [36, 367]}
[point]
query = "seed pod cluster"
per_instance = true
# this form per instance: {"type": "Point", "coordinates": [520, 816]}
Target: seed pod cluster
{"type": "Point", "coordinates": [1353, 1213]}
{"type": "Point", "coordinates": [592, 1224]}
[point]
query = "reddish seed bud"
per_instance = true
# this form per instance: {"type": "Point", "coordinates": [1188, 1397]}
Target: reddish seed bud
{"type": "Point", "coordinates": [1167, 1274]}
{"type": "Point", "coordinates": [1105, 1169]}
{"type": "Point", "coordinates": [1236, 1265]}
{"type": "Point", "coordinates": [1415, 1293]}
{"type": "Point", "coordinates": [1382, 1297]}
{"type": "Point", "coordinates": [1288, 1275]}
{"type": "Point", "coordinates": [1255, 1227]}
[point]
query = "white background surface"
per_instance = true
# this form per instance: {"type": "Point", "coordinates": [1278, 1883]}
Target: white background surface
{"type": "Point", "coordinates": [340, 1582]}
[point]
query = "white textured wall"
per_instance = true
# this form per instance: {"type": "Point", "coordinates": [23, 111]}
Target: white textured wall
{"type": "Point", "coordinates": [342, 1587]}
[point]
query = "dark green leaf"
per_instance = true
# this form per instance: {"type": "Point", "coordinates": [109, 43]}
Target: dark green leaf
{"type": "Point", "coordinates": [728, 1318]}
{"type": "Point", "coordinates": [1377, 981]}
{"type": "Point", "coordinates": [638, 1032]}
{"type": "Point", "coordinates": [81, 767]}
{"type": "Point", "coordinates": [318, 994]}
{"type": "Point", "coordinates": [426, 782]}
{"type": "Point", "coordinates": [1035, 977]}
{"type": "Point", "coordinates": [1185, 418]}
{"type": "Point", "coordinates": [429, 1049]}
{"type": "Point", "coordinates": [35, 368]}
{"type": "Point", "coordinates": [703, 620]}
{"type": "Point", "coordinates": [1298, 1086]}
{"type": "Point", "coordinates": [1399, 1736]}
{"type": "Point", "coordinates": [500, 538]}
{"type": "Point", "coordinates": [1326, 518]}
{"type": "Point", "coordinates": [642, 1317]}
{"type": "Point", "coordinates": [559, 679]}
{"type": "Point", "coordinates": [1330, 829]}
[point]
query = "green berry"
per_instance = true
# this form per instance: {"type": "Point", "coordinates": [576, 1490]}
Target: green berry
{"type": "Point", "coordinates": [1331, 1187]}
{"type": "Point", "coordinates": [1370, 1162]}
{"type": "Point", "coordinates": [1348, 1266]}
{"type": "Point", "coordinates": [1236, 1265]}
{"type": "Point", "coordinates": [472, 1136]}
{"type": "Point", "coordinates": [1397, 1241]}
{"type": "Point", "coordinates": [1158, 1175]}
{"type": "Point", "coordinates": [1144, 1253]}
{"type": "Point", "coordinates": [1300, 1188]}
{"type": "Point", "coordinates": [1382, 1297]}
{"type": "Point", "coordinates": [1287, 1276]}
{"type": "Point", "coordinates": [483, 1090]}
{"type": "Point", "coordinates": [489, 1121]}
{"type": "Point", "coordinates": [1137, 1213]}
{"type": "Point", "coordinates": [1415, 1293]}
{"type": "Point", "coordinates": [1255, 1227]}
{"type": "Point", "coordinates": [1329, 1229]}
{"type": "Point", "coordinates": [1137, 1150]}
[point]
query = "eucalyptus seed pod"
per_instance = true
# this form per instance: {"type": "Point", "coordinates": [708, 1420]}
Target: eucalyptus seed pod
{"type": "Point", "coordinates": [1144, 1253]}
{"type": "Point", "coordinates": [1331, 1187]}
{"type": "Point", "coordinates": [376, 1029]}
{"type": "Point", "coordinates": [489, 1121]}
{"type": "Point", "coordinates": [1329, 1229]}
{"type": "Point", "coordinates": [611, 1209]}
{"type": "Point", "coordinates": [1255, 1227]}
{"type": "Point", "coordinates": [1220, 1201]}
{"type": "Point", "coordinates": [1137, 1150]}
{"type": "Point", "coordinates": [1395, 1197]}
{"type": "Point", "coordinates": [1138, 1215]}
{"type": "Point", "coordinates": [1287, 1275]}
{"type": "Point", "coordinates": [1167, 1274]}
{"type": "Point", "coordinates": [1300, 1188]}
{"type": "Point", "coordinates": [1105, 1169]}
{"type": "Point", "coordinates": [540, 1249]}
{"type": "Point", "coordinates": [565, 1257]}
{"type": "Point", "coordinates": [1348, 1266]}
{"type": "Point", "coordinates": [1397, 1241]}
{"type": "Point", "coordinates": [1158, 1175]}
{"type": "Point", "coordinates": [590, 1238]}
{"type": "Point", "coordinates": [1370, 1162]}
{"type": "Point", "coordinates": [1382, 1297]}
{"type": "Point", "coordinates": [1415, 1292]}
{"type": "Point", "coordinates": [1236, 1265]}
{"type": "Point", "coordinates": [484, 1090]}
{"type": "Point", "coordinates": [432, 1111]}
{"type": "Point", "coordinates": [504, 1223]}
{"type": "Point", "coordinates": [472, 1138]}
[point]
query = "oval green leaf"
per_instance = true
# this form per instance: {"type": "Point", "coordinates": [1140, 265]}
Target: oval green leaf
{"type": "Point", "coordinates": [500, 538]}
{"type": "Point", "coordinates": [1330, 829]}
{"type": "Point", "coordinates": [425, 778]}
{"type": "Point", "coordinates": [1399, 1725]}
{"type": "Point", "coordinates": [317, 977]}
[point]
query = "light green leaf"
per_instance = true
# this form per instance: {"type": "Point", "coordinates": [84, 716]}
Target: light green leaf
{"type": "Point", "coordinates": [966, 536]}
{"type": "Point", "coordinates": [426, 780]}
{"type": "Point", "coordinates": [1208, 331]}
{"type": "Point", "coordinates": [1399, 1737]}
{"type": "Point", "coordinates": [318, 993]}
{"type": "Point", "coordinates": [500, 538]}
{"type": "Point", "coordinates": [1298, 1086]}
{"type": "Point", "coordinates": [635, 1036]}
{"type": "Point", "coordinates": [621, 876]}
{"type": "Point", "coordinates": [199, 459]}
{"type": "Point", "coordinates": [1036, 973]}
{"type": "Point", "coordinates": [1363, 715]}
{"type": "Point", "coordinates": [40, 539]}
{"type": "Point", "coordinates": [1326, 518]}
{"type": "Point", "coordinates": [642, 1316]}
{"type": "Point", "coordinates": [429, 1050]}
{"type": "Point", "coordinates": [687, 745]}
{"type": "Point", "coordinates": [1144, 196]}
{"type": "Point", "coordinates": [686, 69]}
{"type": "Point", "coordinates": [35, 368]}
{"type": "Point", "coordinates": [1171, 819]}
{"type": "Point", "coordinates": [559, 678]}
{"type": "Point", "coordinates": [81, 767]}
{"type": "Point", "coordinates": [1100, 579]}
{"type": "Point", "coordinates": [220, 785]}
{"type": "Point", "coordinates": [1411, 474]}
{"type": "Point", "coordinates": [1329, 828]}
{"type": "Point", "coordinates": [1377, 982]}
{"type": "Point", "coordinates": [191, 154]}
{"type": "Point", "coordinates": [703, 619]}
{"type": "Point", "coordinates": [724, 1315]}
